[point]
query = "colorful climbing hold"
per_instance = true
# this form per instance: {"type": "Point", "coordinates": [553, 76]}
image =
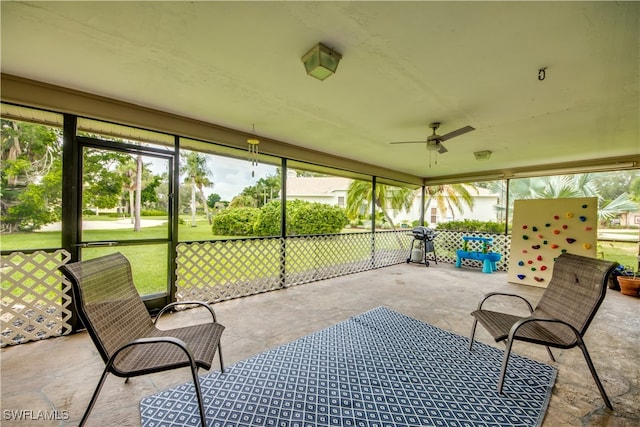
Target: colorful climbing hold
{"type": "Point", "coordinates": [583, 218]}
{"type": "Point", "coordinates": [521, 276]}
{"type": "Point", "coordinates": [556, 231]}
{"type": "Point", "coordinates": [538, 279]}
{"type": "Point", "coordinates": [587, 246]}
{"type": "Point", "coordinates": [525, 237]}
{"type": "Point", "coordinates": [534, 228]}
{"type": "Point", "coordinates": [520, 263]}
{"type": "Point", "coordinates": [540, 236]}
{"type": "Point", "coordinates": [529, 262]}
{"type": "Point", "coordinates": [565, 226]}
{"type": "Point", "coordinates": [524, 227]}
{"type": "Point", "coordinates": [543, 268]}
{"type": "Point", "coordinates": [547, 225]}
{"type": "Point", "coordinates": [584, 206]}
{"type": "Point", "coordinates": [524, 251]}
{"type": "Point", "coordinates": [554, 246]}
{"type": "Point", "coordinates": [556, 217]}
{"type": "Point", "coordinates": [570, 240]}
{"type": "Point", "coordinates": [587, 228]}
{"type": "Point", "coordinates": [539, 258]}
{"type": "Point", "coordinates": [535, 247]}
{"type": "Point", "coordinates": [544, 242]}
{"type": "Point", "coordinates": [533, 269]}
{"type": "Point", "coordinates": [569, 214]}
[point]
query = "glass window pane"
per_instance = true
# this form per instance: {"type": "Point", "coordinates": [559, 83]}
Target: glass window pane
{"type": "Point", "coordinates": [31, 182]}
{"type": "Point", "coordinates": [322, 200]}
{"type": "Point", "coordinates": [223, 195]}
{"type": "Point", "coordinates": [617, 192]}
{"type": "Point", "coordinates": [468, 204]}
{"type": "Point", "coordinates": [149, 264]}
{"type": "Point", "coordinates": [110, 203]}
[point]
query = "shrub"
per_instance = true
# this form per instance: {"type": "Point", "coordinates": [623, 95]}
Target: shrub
{"type": "Point", "coordinates": [268, 220]}
{"type": "Point", "coordinates": [152, 212]}
{"type": "Point", "coordinates": [235, 222]}
{"type": "Point", "coordinates": [302, 218]}
{"type": "Point", "coordinates": [472, 225]}
{"type": "Point", "coordinates": [317, 218]}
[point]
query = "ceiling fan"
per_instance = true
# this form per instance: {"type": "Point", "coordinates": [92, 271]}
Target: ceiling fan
{"type": "Point", "coordinates": [434, 141]}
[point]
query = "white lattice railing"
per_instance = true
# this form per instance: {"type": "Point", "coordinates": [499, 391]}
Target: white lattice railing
{"type": "Point", "coordinates": [36, 303]}
{"type": "Point", "coordinates": [225, 269]}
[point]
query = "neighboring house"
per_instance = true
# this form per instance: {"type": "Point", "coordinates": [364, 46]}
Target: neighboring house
{"type": "Point", "coordinates": [333, 191]}
{"type": "Point", "coordinates": [630, 218]}
{"type": "Point", "coordinates": [484, 209]}
{"type": "Point", "coordinates": [329, 190]}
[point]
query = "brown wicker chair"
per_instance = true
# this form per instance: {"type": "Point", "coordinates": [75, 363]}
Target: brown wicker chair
{"type": "Point", "coordinates": [562, 316]}
{"type": "Point", "coordinates": [122, 329]}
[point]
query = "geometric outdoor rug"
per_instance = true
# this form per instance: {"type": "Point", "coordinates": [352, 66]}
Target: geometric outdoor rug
{"type": "Point", "coordinates": [380, 368]}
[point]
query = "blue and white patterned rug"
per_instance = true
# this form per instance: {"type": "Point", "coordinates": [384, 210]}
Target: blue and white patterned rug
{"type": "Point", "coordinates": [378, 369]}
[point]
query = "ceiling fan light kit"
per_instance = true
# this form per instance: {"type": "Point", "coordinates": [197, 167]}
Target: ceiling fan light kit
{"type": "Point", "coordinates": [434, 141]}
{"type": "Point", "coordinates": [321, 61]}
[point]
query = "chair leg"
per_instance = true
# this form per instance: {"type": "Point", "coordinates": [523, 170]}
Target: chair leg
{"type": "Point", "coordinates": [553, 359]}
{"type": "Point", "coordinates": [220, 356]}
{"type": "Point", "coordinates": [94, 397]}
{"type": "Point", "coordinates": [505, 362]}
{"type": "Point", "coordinates": [473, 333]}
{"type": "Point", "coordinates": [196, 384]}
{"type": "Point", "coordinates": [607, 402]}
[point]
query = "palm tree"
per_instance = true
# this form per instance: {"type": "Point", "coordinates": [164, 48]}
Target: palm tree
{"type": "Point", "coordinates": [563, 186]}
{"type": "Point", "coordinates": [198, 174]}
{"type": "Point", "coordinates": [359, 196]}
{"type": "Point", "coordinates": [133, 170]}
{"type": "Point", "coordinates": [138, 202]}
{"type": "Point", "coordinates": [449, 197]}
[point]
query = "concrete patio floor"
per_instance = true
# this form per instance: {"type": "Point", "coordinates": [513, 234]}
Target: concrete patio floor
{"type": "Point", "coordinates": [60, 374]}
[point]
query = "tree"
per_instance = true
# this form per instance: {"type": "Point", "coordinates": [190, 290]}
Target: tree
{"type": "Point", "coordinates": [243, 201]}
{"type": "Point", "coordinates": [449, 197]}
{"type": "Point", "coordinates": [138, 205]}
{"type": "Point", "coordinates": [30, 177]}
{"type": "Point", "coordinates": [359, 196]}
{"type": "Point", "coordinates": [196, 171]}
{"type": "Point", "coordinates": [562, 186]}
{"type": "Point", "coordinates": [213, 199]}
{"type": "Point", "coordinates": [265, 189]}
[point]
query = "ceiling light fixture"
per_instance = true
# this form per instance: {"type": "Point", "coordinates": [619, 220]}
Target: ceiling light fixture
{"type": "Point", "coordinates": [253, 142]}
{"type": "Point", "coordinates": [482, 155]}
{"type": "Point", "coordinates": [321, 61]}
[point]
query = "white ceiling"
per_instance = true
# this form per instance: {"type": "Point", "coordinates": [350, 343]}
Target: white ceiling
{"type": "Point", "coordinates": [405, 64]}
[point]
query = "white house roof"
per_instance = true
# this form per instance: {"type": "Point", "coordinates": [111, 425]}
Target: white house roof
{"type": "Point", "coordinates": [316, 186]}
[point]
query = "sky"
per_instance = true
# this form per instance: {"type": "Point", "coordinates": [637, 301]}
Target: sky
{"type": "Point", "coordinates": [230, 176]}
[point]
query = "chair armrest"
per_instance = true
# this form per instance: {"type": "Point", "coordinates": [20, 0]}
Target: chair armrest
{"type": "Point", "coordinates": [153, 340]}
{"type": "Point", "coordinates": [493, 294]}
{"type": "Point", "coordinates": [173, 304]}
{"type": "Point", "coordinates": [526, 320]}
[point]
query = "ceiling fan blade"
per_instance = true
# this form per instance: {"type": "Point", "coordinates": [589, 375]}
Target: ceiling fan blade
{"type": "Point", "coordinates": [409, 142]}
{"type": "Point", "coordinates": [458, 132]}
{"type": "Point", "coordinates": [442, 149]}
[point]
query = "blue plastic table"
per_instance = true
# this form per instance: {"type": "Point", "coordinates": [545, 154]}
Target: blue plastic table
{"type": "Point", "coordinates": [487, 257]}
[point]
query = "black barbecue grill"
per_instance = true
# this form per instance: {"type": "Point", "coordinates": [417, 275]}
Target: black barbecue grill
{"type": "Point", "coordinates": [422, 244]}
